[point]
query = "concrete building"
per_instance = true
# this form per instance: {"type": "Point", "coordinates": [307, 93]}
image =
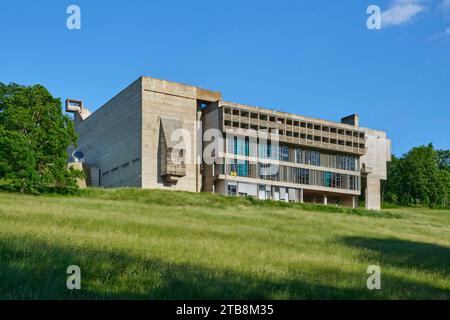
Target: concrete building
{"type": "Point", "coordinates": [154, 134]}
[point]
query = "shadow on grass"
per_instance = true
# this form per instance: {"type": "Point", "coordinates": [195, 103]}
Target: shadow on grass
{"type": "Point", "coordinates": [430, 260]}
{"type": "Point", "coordinates": [32, 269]}
{"type": "Point", "coordinates": [403, 253]}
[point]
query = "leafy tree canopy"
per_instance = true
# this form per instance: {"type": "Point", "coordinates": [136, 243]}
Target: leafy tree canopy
{"type": "Point", "coordinates": [34, 137]}
{"type": "Point", "coordinates": [421, 176]}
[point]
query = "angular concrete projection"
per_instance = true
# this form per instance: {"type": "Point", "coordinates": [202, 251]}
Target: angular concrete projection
{"type": "Point", "coordinates": [373, 164]}
{"type": "Point", "coordinates": [129, 140]}
{"type": "Point", "coordinates": [172, 156]}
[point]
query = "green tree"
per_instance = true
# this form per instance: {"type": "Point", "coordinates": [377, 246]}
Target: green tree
{"type": "Point", "coordinates": [34, 137]}
{"type": "Point", "coordinates": [421, 176]}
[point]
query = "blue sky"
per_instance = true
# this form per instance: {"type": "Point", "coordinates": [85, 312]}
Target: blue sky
{"type": "Point", "coordinates": [308, 57]}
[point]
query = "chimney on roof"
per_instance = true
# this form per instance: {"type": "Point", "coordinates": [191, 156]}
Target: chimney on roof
{"type": "Point", "coordinates": [352, 119]}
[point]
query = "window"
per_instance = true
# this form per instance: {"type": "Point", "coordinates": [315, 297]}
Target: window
{"type": "Point", "coordinates": [312, 157]}
{"type": "Point", "coordinates": [298, 155]}
{"type": "Point", "coordinates": [232, 190]}
{"type": "Point", "coordinates": [284, 153]}
{"type": "Point", "coordinates": [242, 168]}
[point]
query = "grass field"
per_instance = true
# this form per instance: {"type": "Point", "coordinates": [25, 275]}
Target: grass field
{"type": "Point", "coordinates": [168, 245]}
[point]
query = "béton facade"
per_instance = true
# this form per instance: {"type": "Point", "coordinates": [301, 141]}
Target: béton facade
{"type": "Point", "coordinates": [153, 135]}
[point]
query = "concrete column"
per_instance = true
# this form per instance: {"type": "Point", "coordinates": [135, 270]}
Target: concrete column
{"type": "Point", "coordinates": [314, 198]}
{"type": "Point", "coordinates": [301, 195]}
{"type": "Point", "coordinates": [354, 202]}
{"type": "Point", "coordinates": [325, 199]}
{"type": "Point", "coordinates": [373, 194]}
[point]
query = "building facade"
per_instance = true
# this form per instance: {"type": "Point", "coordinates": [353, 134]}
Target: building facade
{"type": "Point", "coordinates": [162, 134]}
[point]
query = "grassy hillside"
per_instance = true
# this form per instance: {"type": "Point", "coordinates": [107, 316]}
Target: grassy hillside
{"type": "Point", "coordinates": [167, 245]}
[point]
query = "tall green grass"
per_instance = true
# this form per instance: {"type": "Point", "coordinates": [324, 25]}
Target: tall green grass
{"type": "Point", "coordinates": [153, 244]}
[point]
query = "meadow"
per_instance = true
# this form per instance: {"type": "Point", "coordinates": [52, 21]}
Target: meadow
{"type": "Point", "coordinates": [153, 244]}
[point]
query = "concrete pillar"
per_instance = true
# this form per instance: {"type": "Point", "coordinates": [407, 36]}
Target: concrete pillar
{"type": "Point", "coordinates": [354, 202]}
{"type": "Point", "coordinates": [373, 194]}
{"type": "Point", "coordinates": [301, 195]}
{"type": "Point", "coordinates": [325, 199]}
{"type": "Point", "coordinates": [314, 198]}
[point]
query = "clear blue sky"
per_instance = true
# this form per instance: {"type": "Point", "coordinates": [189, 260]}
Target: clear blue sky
{"type": "Point", "coordinates": [315, 58]}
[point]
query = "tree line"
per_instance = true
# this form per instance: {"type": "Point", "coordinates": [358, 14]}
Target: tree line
{"type": "Point", "coordinates": [419, 177]}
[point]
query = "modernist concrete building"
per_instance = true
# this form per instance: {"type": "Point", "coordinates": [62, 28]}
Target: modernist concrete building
{"type": "Point", "coordinates": [130, 141]}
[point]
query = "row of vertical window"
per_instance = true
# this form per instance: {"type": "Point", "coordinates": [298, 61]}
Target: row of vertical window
{"type": "Point", "coordinates": [244, 115]}
{"type": "Point", "coordinates": [266, 171]}
{"type": "Point", "coordinates": [265, 150]}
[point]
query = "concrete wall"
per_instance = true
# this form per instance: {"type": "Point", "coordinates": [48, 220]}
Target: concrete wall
{"type": "Point", "coordinates": [110, 138]}
{"type": "Point", "coordinates": [171, 100]}
{"type": "Point", "coordinates": [374, 166]}
{"type": "Point", "coordinates": [378, 152]}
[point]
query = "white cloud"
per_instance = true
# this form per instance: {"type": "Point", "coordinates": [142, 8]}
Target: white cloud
{"type": "Point", "coordinates": [441, 35]}
{"type": "Point", "coordinates": [401, 12]}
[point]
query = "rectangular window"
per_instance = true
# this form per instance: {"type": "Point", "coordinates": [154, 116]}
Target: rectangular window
{"type": "Point", "coordinates": [232, 190]}
{"type": "Point", "coordinates": [298, 155]}
{"type": "Point", "coordinates": [284, 153]}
